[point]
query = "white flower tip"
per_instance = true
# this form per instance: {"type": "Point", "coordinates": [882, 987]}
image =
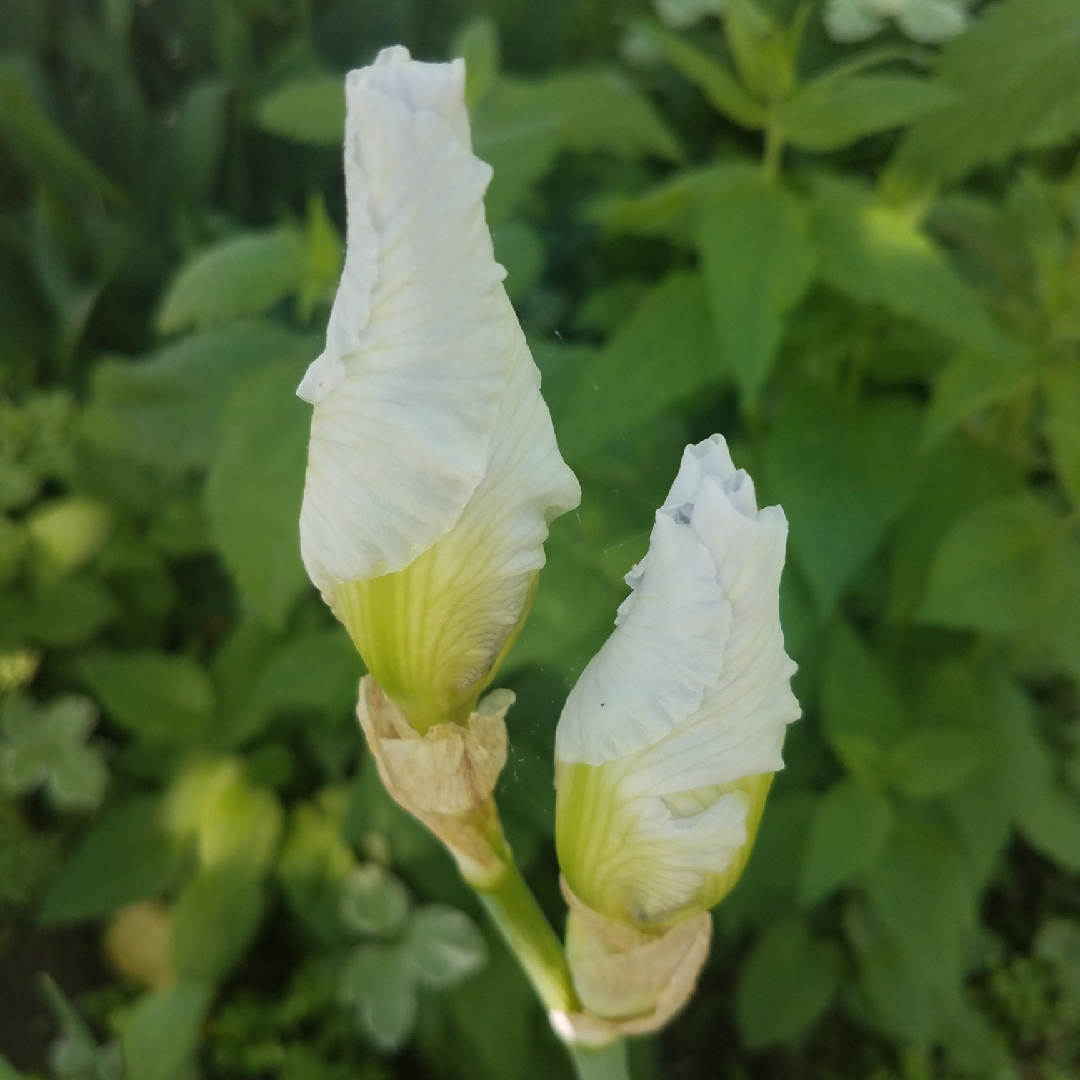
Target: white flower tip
{"type": "Point", "coordinates": [323, 375]}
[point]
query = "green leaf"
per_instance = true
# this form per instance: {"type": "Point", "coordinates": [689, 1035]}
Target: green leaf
{"type": "Point", "coordinates": [444, 945]}
{"type": "Point", "coordinates": [126, 856]}
{"type": "Point", "coordinates": [624, 386]}
{"type": "Point", "coordinates": [161, 1033]}
{"type": "Point", "coordinates": [166, 410]}
{"type": "Point", "coordinates": [930, 763]}
{"type": "Point", "coordinates": [70, 611]}
{"type": "Point", "coordinates": [1061, 385]}
{"type": "Point", "coordinates": [254, 490]}
{"type": "Point", "coordinates": [1013, 68]}
{"type": "Point", "coordinates": [831, 113]}
{"type": "Point", "coordinates": [786, 984]}
{"type": "Point", "coordinates": [921, 890]}
{"type": "Point", "coordinates": [215, 918]}
{"type": "Point", "coordinates": [307, 110]}
{"type": "Point", "coordinates": [758, 264]}
{"type": "Point", "coordinates": [46, 746]}
{"type": "Point", "coordinates": [720, 87]}
{"type": "Point", "coordinates": [155, 695]}
{"type": "Point", "coordinates": [972, 382]}
{"type": "Point", "coordinates": [764, 53]}
{"type": "Point", "coordinates": [379, 983]}
{"type": "Point", "coordinates": [7, 1072]}
{"type": "Point", "coordinates": [877, 255]}
{"type": "Point", "coordinates": [989, 571]}
{"type": "Point", "coordinates": [842, 472]}
{"type": "Point", "coordinates": [243, 275]}
{"type": "Point", "coordinates": [374, 902]}
{"type": "Point", "coordinates": [850, 827]}
{"type": "Point", "coordinates": [197, 142]}
{"type": "Point", "coordinates": [477, 43]}
{"type": "Point", "coordinates": [1058, 943]}
{"type": "Point", "coordinates": [519, 148]}
{"type": "Point", "coordinates": [519, 249]}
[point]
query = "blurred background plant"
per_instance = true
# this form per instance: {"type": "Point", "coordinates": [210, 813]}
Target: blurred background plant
{"type": "Point", "coordinates": [859, 262]}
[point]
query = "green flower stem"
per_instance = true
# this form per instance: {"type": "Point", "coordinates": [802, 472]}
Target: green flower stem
{"type": "Point", "coordinates": [608, 1063]}
{"type": "Point", "coordinates": [526, 930]}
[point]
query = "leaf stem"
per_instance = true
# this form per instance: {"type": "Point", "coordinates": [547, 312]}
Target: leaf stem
{"type": "Point", "coordinates": [774, 147]}
{"type": "Point", "coordinates": [607, 1063]}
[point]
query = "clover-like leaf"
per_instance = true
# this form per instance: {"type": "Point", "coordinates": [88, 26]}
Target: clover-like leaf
{"type": "Point", "coordinates": [45, 745]}
{"type": "Point", "coordinates": [379, 982]}
{"type": "Point", "coordinates": [444, 945]}
{"type": "Point", "coordinates": [374, 902]}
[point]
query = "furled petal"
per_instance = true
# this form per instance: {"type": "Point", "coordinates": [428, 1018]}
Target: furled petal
{"type": "Point", "coordinates": [657, 798]}
{"type": "Point", "coordinates": [407, 393]}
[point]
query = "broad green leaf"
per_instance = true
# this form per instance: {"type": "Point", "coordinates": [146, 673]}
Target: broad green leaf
{"type": "Point", "coordinates": [929, 763]}
{"type": "Point", "coordinates": [842, 472]}
{"type": "Point", "coordinates": [625, 386]}
{"type": "Point", "coordinates": [1062, 388]}
{"type": "Point", "coordinates": [160, 1034]}
{"type": "Point", "coordinates": [241, 276]}
{"type": "Point", "coordinates": [972, 381]}
{"type": "Point", "coordinates": [155, 695]}
{"type": "Point", "coordinates": [850, 827]}
{"type": "Point", "coordinates": [716, 81]}
{"type": "Point", "coordinates": [68, 532]}
{"type": "Point", "coordinates": [921, 890]}
{"type": "Point", "coordinates": [758, 263]}
{"type": "Point", "coordinates": [197, 142]}
{"type": "Point", "coordinates": [519, 249]}
{"type": "Point", "coordinates": [69, 612]}
{"type": "Point", "coordinates": [215, 918]}
{"type": "Point", "coordinates": [786, 983]}
{"type": "Point", "coordinates": [900, 1002]}
{"type": "Point", "coordinates": [310, 109]}
{"type": "Point", "coordinates": [477, 43]}
{"type": "Point", "coordinates": [374, 902]}
{"type": "Point", "coordinates": [126, 856]}
{"type": "Point", "coordinates": [379, 983]}
{"type": "Point", "coordinates": [166, 410]}
{"type": "Point", "coordinates": [520, 149]}
{"type": "Point", "coordinates": [860, 705]}
{"type": "Point", "coordinates": [254, 490]}
{"type": "Point", "coordinates": [1013, 68]}
{"type": "Point", "coordinates": [990, 569]}
{"type": "Point", "coordinates": [832, 113]}
{"type": "Point", "coordinates": [444, 946]}
{"type": "Point", "coordinates": [764, 53]}
{"type": "Point", "coordinates": [875, 254]}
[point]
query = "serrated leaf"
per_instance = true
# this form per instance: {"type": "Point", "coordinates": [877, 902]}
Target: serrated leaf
{"type": "Point", "coordinates": [254, 490]}
{"type": "Point", "coordinates": [786, 984]}
{"type": "Point", "coordinates": [850, 826]}
{"type": "Point", "coordinates": [241, 276]}
{"type": "Point", "coordinates": [930, 763]}
{"type": "Point", "coordinates": [379, 982]}
{"type": "Point", "coordinates": [444, 945]}
{"type": "Point", "coordinates": [374, 902]}
{"type": "Point", "coordinates": [161, 1033]}
{"type": "Point", "coordinates": [126, 856]}
{"type": "Point", "coordinates": [876, 255]}
{"type": "Point", "coordinates": [310, 110]}
{"type": "Point", "coordinates": [1013, 68]}
{"type": "Point", "coordinates": [758, 264]}
{"type": "Point", "coordinates": [1061, 385]}
{"type": "Point", "coordinates": [832, 113]}
{"type": "Point", "coordinates": [842, 472]}
{"type": "Point", "coordinates": [166, 410]}
{"type": "Point", "coordinates": [623, 387]}
{"type": "Point", "coordinates": [156, 695]}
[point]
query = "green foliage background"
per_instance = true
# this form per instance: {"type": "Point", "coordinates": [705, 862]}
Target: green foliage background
{"type": "Point", "coordinates": [861, 265]}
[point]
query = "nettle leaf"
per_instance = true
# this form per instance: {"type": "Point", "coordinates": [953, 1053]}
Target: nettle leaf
{"type": "Point", "coordinates": [374, 902]}
{"type": "Point", "coordinates": [254, 490]}
{"type": "Point", "coordinates": [934, 762]}
{"type": "Point", "coordinates": [623, 387]}
{"type": "Point", "coordinates": [166, 410]}
{"type": "Point", "coordinates": [45, 746]}
{"type": "Point", "coordinates": [379, 982]}
{"type": "Point", "coordinates": [877, 255]}
{"type": "Point", "coordinates": [243, 275]}
{"type": "Point", "coordinates": [831, 113]}
{"type": "Point", "coordinates": [310, 110]}
{"type": "Point", "coordinates": [786, 984]}
{"type": "Point", "coordinates": [1013, 70]}
{"type": "Point", "coordinates": [156, 695]}
{"type": "Point", "coordinates": [758, 264]}
{"type": "Point", "coordinates": [842, 472]}
{"type": "Point", "coordinates": [850, 827]}
{"type": "Point", "coordinates": [1061, 385]}
{"type": "Point", "coordinates": [990, 569]}
{"type": "Point", "coordinates": [445, 946]}
{"type": "Point", "coordinates": [126, 856]}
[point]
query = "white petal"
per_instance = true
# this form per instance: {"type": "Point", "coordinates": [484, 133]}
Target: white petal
{"type": "Point", "coordinates": [409, 388]}
{"type": "Point", "coordinates": [665, 652]}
